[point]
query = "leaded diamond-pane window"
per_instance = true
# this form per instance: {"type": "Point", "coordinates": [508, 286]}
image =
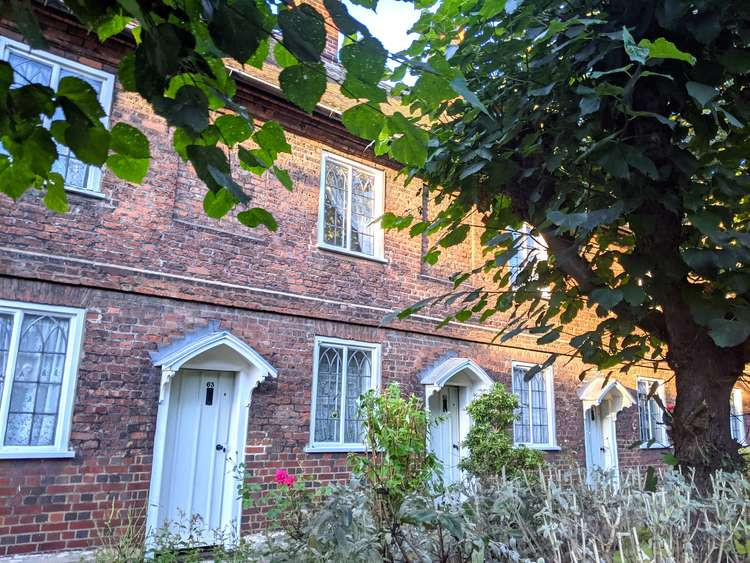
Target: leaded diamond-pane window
{"type": "Point", "coordinates": [534, 416]}
{"type": "Point", "coordinates": [37, 371]}
{"type": "Point", "coordinates": [344, 371]}
{"type": "Point", "coordinates": [530, 250]}
{"type": "Point", "coordinates": [43, 68]}
{"type": "Point", "coordinates": [351, 201]}
{"type": "Point", "coordinates": [653, 430]}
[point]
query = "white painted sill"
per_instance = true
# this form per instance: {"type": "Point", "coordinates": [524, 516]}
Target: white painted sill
{"type": "Point", "coordinates": [544, 448]}
{"type": "Point", "coordinates": [336, 249]}
{"type": "Point", "coordinates": [656, 447]}
{"type": "Point", "coordinates": [53, 454]}
{"type": "Point", "coordinates": [323, 449]}
{"type": "Point", "coordinates": [85, 193]}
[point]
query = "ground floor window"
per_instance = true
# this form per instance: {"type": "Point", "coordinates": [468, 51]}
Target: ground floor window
{"type": "Point", "coordinates": [737, 417]}
{"type": "Point", "coordinates": [39, 348]}
{"type": "Point", "coordinates": [535, 420]}
{"type": "Point", "coordinates": [343, 370]}
{"type": "Point", "coordinates": [651, 413]}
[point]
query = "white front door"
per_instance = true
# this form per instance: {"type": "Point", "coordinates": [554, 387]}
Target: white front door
{"type": "Point", "coordinates": [196, 471]}
{"type": "Point", "coordinates": [445, 436]}
{"type": "Point", "coordinates": [601, 441]}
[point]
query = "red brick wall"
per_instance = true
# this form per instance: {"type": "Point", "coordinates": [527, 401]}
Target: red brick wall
{"type": "Point", "coordinates": [60, 504]}
{"type": "Point", "coordinates": [149, 266]}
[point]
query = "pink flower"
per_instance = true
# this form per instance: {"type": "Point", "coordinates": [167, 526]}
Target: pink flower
{"type": "Point", "coordinates": [283, 477]}
{"type": "Point", "coordinates": [670, 407]}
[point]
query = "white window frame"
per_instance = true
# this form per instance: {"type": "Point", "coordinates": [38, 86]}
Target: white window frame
{"type": "Point", "coordinates": [518, 261]}
{"type": "Point", "coordinates": [60, 449]}
{"type": "Point", "coordinates": [735, 410]}
{"type": "Point", "coordinates": [93, 182]}
{"type": "Point", "coordinates": [657, 444]}
{"type": "Point", "coordinates": [551, 443]}
{"type": "Point", "coordinates": [375, 349]}
{"type": "Point", "coordinates": [378, 239]}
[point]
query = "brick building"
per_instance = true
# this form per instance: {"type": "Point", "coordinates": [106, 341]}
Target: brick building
{"type": "Point", "coordinates": [146, 350]}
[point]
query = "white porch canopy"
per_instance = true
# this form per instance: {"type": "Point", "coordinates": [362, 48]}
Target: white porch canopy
{"type": "Point", "coordinates": [452, 368]}
{"type": "Point", "coordinates": [599, 389]}
{"type": "Point", "coordinates": [209, 341]}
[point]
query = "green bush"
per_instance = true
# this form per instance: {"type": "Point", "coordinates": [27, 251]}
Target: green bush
{"type": "Point", "coordinates": [489, 439]}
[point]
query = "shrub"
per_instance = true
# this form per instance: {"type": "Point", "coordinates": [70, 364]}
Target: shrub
{"type": "Point", "coordinates": [489, 440]}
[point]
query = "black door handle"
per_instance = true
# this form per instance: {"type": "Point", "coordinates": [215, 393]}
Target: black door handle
{"type": "Point", "coordinates": [220, 448]}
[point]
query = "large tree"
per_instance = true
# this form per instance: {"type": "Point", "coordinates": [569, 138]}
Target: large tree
{"type": "Point", "coordinates": [619, 131]}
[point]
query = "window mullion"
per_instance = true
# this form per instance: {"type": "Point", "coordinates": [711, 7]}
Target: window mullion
{"type": "Point", "coordinates": [531, 413]}
{"type": "Point", "coordinates": [11, 369]}
{"type": "Point", "coordinates": [342, 408]}
{"type": "Point", "coordinates": [348, 214]}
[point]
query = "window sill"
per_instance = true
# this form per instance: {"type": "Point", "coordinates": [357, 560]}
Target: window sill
{"type": "Point", "coordinates": [56, 454]}
{"type": "Point", "coordinates": [337, 250]}
{"type": "Point", "coordinates": [542, 447]}
{"type": "Point", "coordinates": [655, 447]}
{"type": "Point", "coordinates": [322, 449]}
{"type": "Point", "coordinates": [85, 193]}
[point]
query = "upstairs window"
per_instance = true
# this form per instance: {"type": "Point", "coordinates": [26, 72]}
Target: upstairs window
{"type": "Point", "coordinates": [529, 248]}
{"type": "Point", "coordinates": [351, 199]}
{"type": "Point", "coordinates": [39, 347]}
{"type": "Point", "coordinates": [737, 417]}
{"type": "Point", "coordinates": [34, 66]}
{"type": "Point", "coordinates": [651, 415]}
{"type": "Point", "coordinates": [534, 426]}
{"type": "Point", "coordinates": [343, 371]}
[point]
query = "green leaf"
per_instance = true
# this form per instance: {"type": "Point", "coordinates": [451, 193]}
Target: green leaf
{"type": "Point", "coordinates": [233, 129]}
{"type": "Point", "coordinates": [491, 8]}
{"type": "Point", "coordinates": [701, 93]}
{"type": "Point", "coordinates": [365, 59]}
{"type": "Point", "coordinates": [271, 139]}
{"type": "Point", "coordinates": [128, 168]}
{"type": "Point", "coordinates": [670, 459]}
{"type": "Point", "coordinates": [55, 198]}
{"type": "Point", "coordinates": [633, 294]}
{"type": "Point", "coordinates": [636, 53]}
{"type": "Point", "coordinates": [606, 297]}
{"type": "Point", "coordinates": [129, 141]}
{"type": "Point", "coordinates": [548, 338]}
{"type": "Point", "coordinates": [589, 104]}
{"type": "Point", "coordinates": [80, 93]}
{"type": "Point", "coordinates": [364, 121]}
{"type": "Point", "coordinates": [261, 54]}
{"type": "Point", "coordinates": [410, 145]}
{"type": "Point", "coordinates": [726, 333]}
{"type": "Point", "coordinates": [115, 24]}
{"type": "Point", "coordinates": [455, 236]}
{"type": "Point", "coordinates": [257, 216]}
{"type": "Point", "coordinates": [189, 109]}
{"type": "Point", "coordinates": [303, 31]}
{"type": "Point", "coordinates": [461, 87]}
{"type": "Point", "coordinates": [663, 49]}
{"type": "Point", "coordinates": [238, 28]}
{"type": "Point", "coordinates": [90, 144]}
{"type": "Point", "coordinates": [356, 89]}
{"type": "Point", "coordinates": [217, 204]}
{"type": "Point", "coordinates": [126, 73]}
{"type": "Point", "coordinates": [283, 57]}
{"type": "Point", "coordinates": [433, 89]}
{"type": "Point", "coordinates": [25, 20]}
{"type": "Point", "coordinates": [283, 177]}
{"type": "Point", "coordinates": [344, 22]}
{"type": "Point", "coordinates": [304, 84]}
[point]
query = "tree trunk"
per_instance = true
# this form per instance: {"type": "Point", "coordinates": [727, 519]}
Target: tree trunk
{"type": "Point", "coordinates": [705, 377]}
